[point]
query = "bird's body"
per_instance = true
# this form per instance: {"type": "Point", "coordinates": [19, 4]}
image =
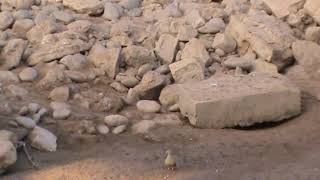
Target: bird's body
{"type": "Point", "coordinates": [170, 161]}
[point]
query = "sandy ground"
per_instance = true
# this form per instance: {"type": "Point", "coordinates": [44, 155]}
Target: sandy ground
{"type": "Point", "coordinates": [286, 151]}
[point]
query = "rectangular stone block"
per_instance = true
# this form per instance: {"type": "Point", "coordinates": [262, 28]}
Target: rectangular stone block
{"type": "Point", "coordinates": [229, 101]}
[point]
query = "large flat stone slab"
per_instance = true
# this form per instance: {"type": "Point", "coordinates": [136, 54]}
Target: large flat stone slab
{"type": "Point", "coordinates": [229, 101]}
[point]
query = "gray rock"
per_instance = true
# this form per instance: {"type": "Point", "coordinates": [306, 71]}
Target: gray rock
{"type": "Point", "coordinates": [25, 122]}
{"type": "Point", "coordinates": [63, 16]}
{"type": "Point", "coordinates": [115, 120]}
{"type": "Point", "coordinates": [242, 62]}
{"type": "Point", "coordinates": [33, 108]}
{"type": "Point", "coordinates": [130, 4]}
{"type": "Point", "coordinates": [186, 33]}
{"type": "Point", "coordinates": [42, 139]}
{"type": "Point", "coordinates": [148, 106]}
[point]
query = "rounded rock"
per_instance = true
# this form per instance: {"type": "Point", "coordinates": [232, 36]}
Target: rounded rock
{"type": "Point", "coordinates": [8, 155]}
{"type": "Point", "coordinates": [28, 74]}
{"type": "Point", "coordinates": [116, 120]}
{"type": "Point", "coordinates": [119, 129]}
{"type": "Point", "coordinates": [103, 129]}
{"type": "Point", "coordinates": [148, 106]}
{"type": "Point", "coordinates": [25, 122]}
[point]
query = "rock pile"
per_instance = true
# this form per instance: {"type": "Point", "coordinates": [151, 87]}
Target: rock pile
{"type": "Point", "coordinates": [154, 57]}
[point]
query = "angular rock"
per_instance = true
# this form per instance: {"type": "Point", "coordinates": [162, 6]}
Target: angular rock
{"type": "Point", "coordinates": [6, 20]}
{"type": "Point", "coordinates": [282, 9]}
{"type": "Point", "coordinates": [151, 85]}
{"type": "Point", "coordinates": [91, 7]}
{"type": "Point", "coordinates": [215, 25]}
{"type": "Point", "coordinates": [42, 139]}
{"type": "Point", "coordinates": [105, 58]}
{"type": "Point", "coordinates": [169, 95]}
{"type": "Point", "coordinates": [21, 27]}
{"type": "Point", "coordinates": [269, 37]}
{"type": "Point", "coordinates": [137, 55]}
{"type": "Point", "coordinates": [148, 106]}
{"type": "Point", "coordinates": [58, 45]}
{"type": "Point", "coordinates": [229, 101]}
{"type": "Point", "coordinates": [313, 34]}
{"type": "Point", "coordinates": [189, 69]}
{"type": "Point", "coordinates": [112, 11]}
{"type": "Point", "coordinates": [313, 9]}
{"type": "Point", "coordinates": [195, 19]}
{"type": "Point", "coordinates": [195, 49]}
{"type": "Point", "coordinates": [130, 4]}
{"type": "Point", "coordinates": [12, 53]}
{"type": "Point", "coordinates": [242, 62]}
{"type": "Point", "coordinates": [8, 77]}
{"type": "Point", "coordinates": [64, 17]}
{"type": "Point", "coordinates": [186, 33]}
{"type": "Point", "coordinates": [166, 48]}
{"type": "Point", "coordinates": [25, 122]}
{"type": "Point", "coordinates": [19, 4]}
{"type": "Point", "coordinates": [224, 42]}
{"type": "Point", "coordinates": [307, 54]}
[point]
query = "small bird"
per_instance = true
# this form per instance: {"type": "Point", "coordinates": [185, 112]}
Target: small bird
{"type": "Point", "coordinates": [170, 161]}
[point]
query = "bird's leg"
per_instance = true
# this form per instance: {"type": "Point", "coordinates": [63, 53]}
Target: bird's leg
{"type": "Point", "coordinates": [22, 144]}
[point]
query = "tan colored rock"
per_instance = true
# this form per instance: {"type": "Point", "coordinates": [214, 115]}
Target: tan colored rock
{"type": "Point", "coordinates": [136, 56]}
{"type": "Point", "coordinates": [313, 9]}
{"type": "Point", "coordinates": [307, 54]}
{"type": "Point", "coordinates": [269, 37]}
{"type": "Point", "coordinates": [166, 48]}
{"type": "Point", "coordinates": [91, 7]}
{"type": "Point", "coordinates": [105, 58]}
{"type": "Point", "coordinates": [195, 49]}
{"type": "Point", "coordinates": [56, 46]}
{"type": "Point", "coordinates": [12, 53]}
{"type": "Point", "coordinates": [151, 85]}
{"type": "Point", "coordinates": [8, 155]}
{"type": "Point", "coordinates": [60, 94]}
{"type": "Point", "coordinates": [229, 101]}
{"type": "Point", "coordinates": [189, 69]}
{"type": "Point", "coordinates": [42, 139]}
{"type": "Point", "coordinates": [283, 8]}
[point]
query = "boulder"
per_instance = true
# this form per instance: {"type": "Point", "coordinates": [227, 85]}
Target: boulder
{"type": "Point", "coordinates": [151, 85]}
{"type": "Point", "coordinates": [105, 58]}
{"type": "Point", "coordinates": [56, 46]}
{"type": "Point", "coordinates": [229, 101]}
{"type": "Point", "coordinates": [136, 56]}
{"type": "Point", "coordinates": [195, 49]}
{"type": "Point", "coordinates": [189, 69]}
{"type": "Point", "coordinates": [12, 53]}
{"type": "Point", "coordinates": [166, 48]}
{"type": "Point", "coordinates": [268, 36]}
{"type": "Point", "coordinates": [42, 139]}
